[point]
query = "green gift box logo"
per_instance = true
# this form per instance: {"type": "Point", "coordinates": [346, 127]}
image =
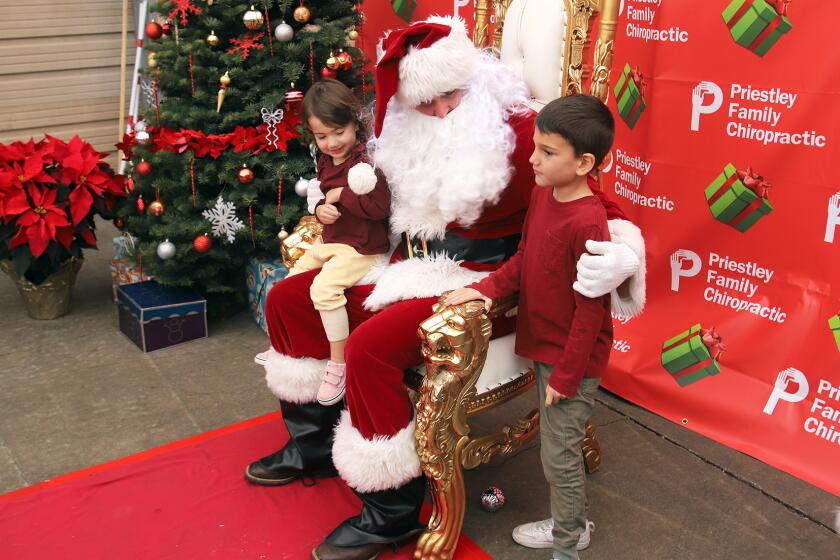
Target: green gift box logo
{"type": "Point", "coordinates": [757, 24]}
{"type": "Point", "coordinates": [834, 325]}
{"type": "Point", "coordinates": [404, 8]}
{"type": "Point", "coordinates": [629, 95]}
{"type": "Point", "coordinates": [693, 354]}
{"type": "Point", "coordinates": [738, 198]}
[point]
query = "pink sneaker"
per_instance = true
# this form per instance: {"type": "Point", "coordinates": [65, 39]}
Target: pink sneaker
{"type": "Point", "coordinates": [332, 387]}
{"type": "Point", "coordinates": [262, 357]}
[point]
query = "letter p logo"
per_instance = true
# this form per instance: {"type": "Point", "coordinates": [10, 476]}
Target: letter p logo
{"type": "Point", "coordinates": [677, 259]}
{"type": "Point", "coordinates": [780, 389]}
{"type": "Point", "coordinates": [699, 104]}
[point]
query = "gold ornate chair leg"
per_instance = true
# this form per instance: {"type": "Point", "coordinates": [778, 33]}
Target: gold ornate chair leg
{"type": "Point", "coordinates": [454, 345]}
{"type": "Point", "coordinates": [591, 449]}
{"type": "Point", "coordinates": [439, 540]}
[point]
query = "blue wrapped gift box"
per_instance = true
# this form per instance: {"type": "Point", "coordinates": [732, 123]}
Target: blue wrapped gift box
{"type": "Point", "coordinates": [155, 316]}
{"type": "Point", "coordinates": [262, 275]}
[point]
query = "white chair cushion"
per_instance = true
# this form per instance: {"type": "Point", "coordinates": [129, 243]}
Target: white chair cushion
{"type": "Point", "coordinates": [533, 45]}
{"type": "Point", "coordinates": [502, 365]}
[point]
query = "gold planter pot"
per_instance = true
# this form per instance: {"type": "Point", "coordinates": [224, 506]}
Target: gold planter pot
{"type": "Point", "coordinates": [53, 297]}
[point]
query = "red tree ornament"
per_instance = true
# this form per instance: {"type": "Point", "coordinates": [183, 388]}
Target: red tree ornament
{"type": "Point", "coordinates": [327, 73]}
{"type": "Point", "coordinates": [119, 223]}
{"type": "Point", "coordinates": [245, 175]}
{"type": "Point", "coordinates": [154, 30]}
{"type": "Point", "coordinates": [141, 206]}
{"type": "Point", "coordinates": [345, 61]}
{"type": "Point", "coordinates": [202, 243]}
{"type": "Point", "coordinates": [144, 168]}
{"type": "Point", "coordinates": [166, 28]}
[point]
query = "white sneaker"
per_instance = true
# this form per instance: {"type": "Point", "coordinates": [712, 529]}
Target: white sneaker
{"type": "Point", "coordinates": [262, 357]}
{"type": "Point", "coordinates": [539, 534]}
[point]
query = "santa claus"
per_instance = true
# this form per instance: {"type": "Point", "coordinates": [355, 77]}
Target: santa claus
{"type": "Point", "coordinates": [453, 136]}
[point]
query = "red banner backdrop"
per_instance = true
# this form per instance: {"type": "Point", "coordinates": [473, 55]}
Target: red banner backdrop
{"type": "Point", "coordinates": [728, 171]}
{"type": "Point", "coordinates": [728, 124]}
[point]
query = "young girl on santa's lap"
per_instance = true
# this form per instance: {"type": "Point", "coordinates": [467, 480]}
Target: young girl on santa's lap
{"type": "Point", "coordinates": [354, 211]}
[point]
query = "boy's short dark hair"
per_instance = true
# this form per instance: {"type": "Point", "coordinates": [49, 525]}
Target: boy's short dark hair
{"type": "Point", "coordinates": [583, 120]}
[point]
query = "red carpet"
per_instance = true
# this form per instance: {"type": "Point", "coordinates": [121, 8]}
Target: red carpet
{"type": "Point", "coordinates": [185, 500]}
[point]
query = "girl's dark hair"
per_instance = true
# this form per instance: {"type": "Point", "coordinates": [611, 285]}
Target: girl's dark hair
{"type": "Point", "coordinates": [333, 103]}
{"type": "Point", "coordinates": [583, 120]}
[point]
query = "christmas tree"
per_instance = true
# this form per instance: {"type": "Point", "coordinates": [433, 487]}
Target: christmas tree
{"type": "Point", "coordinates": [215, 158]}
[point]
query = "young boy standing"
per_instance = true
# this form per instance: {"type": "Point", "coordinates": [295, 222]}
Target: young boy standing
{"type": "Point", "coordinates": [568, 335]}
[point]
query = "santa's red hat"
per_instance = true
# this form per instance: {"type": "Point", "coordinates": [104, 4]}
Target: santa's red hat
{"type": "Point", "coordinates": [423, 60]}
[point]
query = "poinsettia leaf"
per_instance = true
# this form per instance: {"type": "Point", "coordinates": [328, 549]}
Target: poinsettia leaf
{"type": "Point", "coordinates": [21, 258]}
{"type": "Point", "coordinates": [88, 236]}
{"type": "Point", "coordinates": [64, 235]}
{"type": "Point", "coordinates": [39, 238]}
{"type": "Point", "coordinates": [53, 253]}
{"type": "Point", "coordinates": [62, 192]}
{"type": "Point", "coordinates": [80, 202]}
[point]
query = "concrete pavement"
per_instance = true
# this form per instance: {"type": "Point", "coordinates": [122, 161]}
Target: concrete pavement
{"type": "Point", "coordinates": [76, 393]}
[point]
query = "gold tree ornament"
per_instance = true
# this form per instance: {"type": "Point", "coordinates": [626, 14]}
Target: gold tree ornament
{"type": "Point", "coordinates": [212, 39]}
{"type": "Point", "coordinates": [156, 208]}
{"type": "Point", "coordinates": [302, 14]}
{"type": "Point", "coordinates": [151, 60]}
{"type": "Point", "coordinates": [253, 19]}
{"type": "Point", "coordinates": [352, 34]}
{"type": "Point", "coordinates": [332, 62]}
{"type": "Point", "coordinates": [224, 82]}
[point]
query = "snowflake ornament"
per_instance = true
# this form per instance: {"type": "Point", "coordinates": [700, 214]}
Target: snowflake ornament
{"type": "Point", "coordinates": [246, 45]}
{"type": "Point", "coordinates": [182, 9]}
{"type": "Point", "coordinates": [224, 220]}
{"type": "Point", "coordinates": [148, 90]}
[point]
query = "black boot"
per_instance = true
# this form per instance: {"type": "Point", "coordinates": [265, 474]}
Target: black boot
{"type": "Point", "coordinates": [388, 517]}
{"type": "Point", "coordinates": [309, 450]}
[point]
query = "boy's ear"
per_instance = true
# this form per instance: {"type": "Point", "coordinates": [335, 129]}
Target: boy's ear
{"type": "Point", "coordinates": [586, 164]}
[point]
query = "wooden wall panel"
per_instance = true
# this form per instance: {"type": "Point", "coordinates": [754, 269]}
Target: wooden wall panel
{"type": "Point", "coordinates": [60, 69]}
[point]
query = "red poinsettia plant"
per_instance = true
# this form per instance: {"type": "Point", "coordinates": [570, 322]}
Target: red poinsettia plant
{"type": "Point", "coordinates": [50, 192]}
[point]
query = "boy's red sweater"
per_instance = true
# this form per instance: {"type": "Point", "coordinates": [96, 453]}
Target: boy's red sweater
{"type": "Point", "coordinates": [556, 324]}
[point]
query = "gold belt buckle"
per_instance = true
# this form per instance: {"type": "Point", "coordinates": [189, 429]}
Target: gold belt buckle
{"type": "Point", "coordinates": [410, 246]}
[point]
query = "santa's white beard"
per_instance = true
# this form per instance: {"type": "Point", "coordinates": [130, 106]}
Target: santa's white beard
{"type": "Point", "coordinates": [446, 170]}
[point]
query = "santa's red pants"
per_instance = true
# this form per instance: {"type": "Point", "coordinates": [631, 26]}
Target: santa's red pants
{"type": "Point", "coordinates": [381, 346]}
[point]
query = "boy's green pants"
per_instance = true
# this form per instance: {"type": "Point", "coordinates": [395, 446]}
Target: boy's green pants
{"type": "Point", "coordinates": [562, 428]}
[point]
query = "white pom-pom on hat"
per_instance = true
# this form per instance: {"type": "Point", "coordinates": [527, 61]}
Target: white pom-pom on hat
{"type": "Point", "coordinates": [361, 178]}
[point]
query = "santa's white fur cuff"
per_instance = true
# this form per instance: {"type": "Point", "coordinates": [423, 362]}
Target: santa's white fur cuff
{"type": "Point", "coordinates": [419, 278]}
{"type": "Point", "coordinates": [623, 231]}
{"type": "Point", "coordinates": [382, 463]}
{"type": "Point", "coordinates": [293, 379]}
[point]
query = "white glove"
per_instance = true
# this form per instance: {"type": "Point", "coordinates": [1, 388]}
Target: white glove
{"type": "Point", "coordinates": [313, 194]}
{"type": "Point", "coordinates": [605, 268]}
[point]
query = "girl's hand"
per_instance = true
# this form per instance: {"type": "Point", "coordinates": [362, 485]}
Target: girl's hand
{"type": "Point", "coordinates": [333, 195]}
{"type": "Point", "coordinates": [327, 214]}
{"type": "Point", "coordinates": [552, 396]}
{"type": "Point", "coordinates": [462, 295]}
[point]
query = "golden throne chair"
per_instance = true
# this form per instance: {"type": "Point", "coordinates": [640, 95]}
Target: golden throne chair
{"type": "Point", "coordinates": [465, 373]}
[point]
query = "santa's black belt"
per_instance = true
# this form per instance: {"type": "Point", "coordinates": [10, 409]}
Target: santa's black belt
{"type": "Point", "coordinates": [458, 247]}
